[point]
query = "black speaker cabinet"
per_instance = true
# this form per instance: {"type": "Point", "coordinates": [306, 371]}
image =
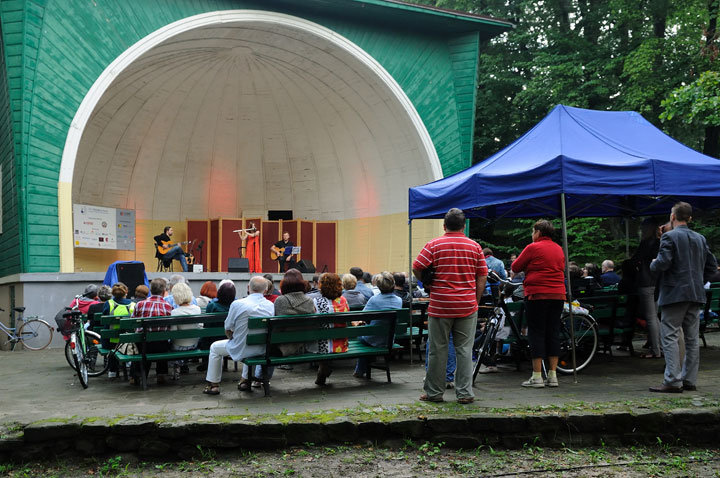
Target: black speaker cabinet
{"type": "Point", "coordinates": [306, 267]}
{"type": "Point", "coordinates": [238, 264]}
{"type": "Point", "coordinates": [274, 215]}
{"type": "Point", "coordinates": [131, 274]}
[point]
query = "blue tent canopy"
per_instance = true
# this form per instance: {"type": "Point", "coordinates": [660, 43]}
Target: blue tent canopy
{"type": "Point", "coordinates": [607, 163]}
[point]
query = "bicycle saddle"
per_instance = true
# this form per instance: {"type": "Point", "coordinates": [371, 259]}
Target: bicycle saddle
{"type": "Point", "coordinates": [19, 309]}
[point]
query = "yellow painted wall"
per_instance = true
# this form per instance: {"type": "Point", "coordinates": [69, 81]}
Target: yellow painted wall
{"type": "Point", "coordinates": [381, 243]}
{"type": "Point", "coordinates": [98, 260]}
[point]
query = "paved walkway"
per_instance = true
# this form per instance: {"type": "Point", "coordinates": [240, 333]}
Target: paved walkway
{"type": "Point", "coordinates": [40, 385]}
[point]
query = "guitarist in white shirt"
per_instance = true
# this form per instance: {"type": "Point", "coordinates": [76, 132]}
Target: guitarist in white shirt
{"type": "Point", "coordinates": [167, 251]}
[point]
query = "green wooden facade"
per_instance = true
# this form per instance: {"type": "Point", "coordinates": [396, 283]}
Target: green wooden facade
{"type": "Point", "coordinates": [52, 51]}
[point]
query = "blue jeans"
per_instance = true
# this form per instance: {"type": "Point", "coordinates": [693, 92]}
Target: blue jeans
{"type": "Point", "coordinates": [451, 362]}
{"type": "Point", "coordinates": [362, 366]}
{"type": "Point", "coordinates": [176, 253]}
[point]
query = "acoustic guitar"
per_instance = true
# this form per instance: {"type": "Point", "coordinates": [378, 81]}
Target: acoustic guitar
{"type": "Point", "coordinates": [165, 247]}
{"type": "Point", "coordinates": [277, 252]}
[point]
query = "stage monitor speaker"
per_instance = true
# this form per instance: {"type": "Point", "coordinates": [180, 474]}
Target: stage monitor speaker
{"type": "Point", "coordinates": [276, 215]}
{"type": "Point", "coordinates": [305, 266]}
{"type": "Point", "coordinates": [238, 264]}
{"type": "Point", "coordinates": [132, 274]}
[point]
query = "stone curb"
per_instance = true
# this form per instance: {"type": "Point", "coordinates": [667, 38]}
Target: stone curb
{"type": "Point", "coordinates": [183, 438]}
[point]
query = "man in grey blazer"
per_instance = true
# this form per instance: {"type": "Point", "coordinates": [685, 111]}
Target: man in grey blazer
{"type": "Point", "coordinates": [683, 261]}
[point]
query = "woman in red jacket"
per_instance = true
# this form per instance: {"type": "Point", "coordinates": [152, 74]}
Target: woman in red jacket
{"type": "Point", "coordinates": [543, 263]}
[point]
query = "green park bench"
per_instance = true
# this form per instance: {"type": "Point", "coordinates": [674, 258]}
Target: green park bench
{"type": "Point", "coordinates": [712, 303]}
{"type": "Point", "coordinates": [610, 311]}
{"type": "Point", "coordinates": [213, 326]}
{"type": "Point", "coordinates": [273, 331]}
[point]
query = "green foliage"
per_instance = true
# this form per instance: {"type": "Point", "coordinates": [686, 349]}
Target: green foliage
{"type": "Point", "coordinates": [696, 103]}
{"type": "Point", "coordinates": [600, 54]}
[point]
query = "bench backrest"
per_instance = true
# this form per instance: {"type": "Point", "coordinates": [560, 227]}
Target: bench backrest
{"type": "Point", "coordinates": [305, 328]}
{"type": "Point", "coordinates": [213, 326]}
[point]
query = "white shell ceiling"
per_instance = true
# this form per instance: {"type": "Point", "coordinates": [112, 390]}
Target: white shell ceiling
{"type": "Point", "coordinates": [240, 119]}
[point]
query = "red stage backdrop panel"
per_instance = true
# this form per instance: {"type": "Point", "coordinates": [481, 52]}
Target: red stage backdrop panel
{"type": "Point", "coordinates": [268, 236]}
{"type": "Point", "coordinates": [214, 249]}
{"type": "Point", "coordinates": [230, 241]}
{"type": "Point", "coordinates": [198, 231]}
{"type": "Point", "coordinates": [292, 228]}
{"type": "Point", "coordinates": [326, 243]}
{"type": "Point", "coordinates": [307, 241]}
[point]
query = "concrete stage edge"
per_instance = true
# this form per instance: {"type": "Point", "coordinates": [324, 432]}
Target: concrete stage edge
{"type": "Point", "coordinates": [44, 294]}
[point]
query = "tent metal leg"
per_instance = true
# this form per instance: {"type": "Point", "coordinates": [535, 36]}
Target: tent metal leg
{"type": "Point", "coordinates": [410, 275]}
{"type": "Point", "coordinates": [569, 285]}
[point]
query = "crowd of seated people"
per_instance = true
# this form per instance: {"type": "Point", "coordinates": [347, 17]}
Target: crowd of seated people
{"type": "Point", "coordinates": [325, 293]}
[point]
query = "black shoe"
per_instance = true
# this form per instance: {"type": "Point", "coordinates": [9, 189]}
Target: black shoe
{"type": "Point", "coordinates": [689, 387]}
{"type": "Point", "coordinates": [666, 389]}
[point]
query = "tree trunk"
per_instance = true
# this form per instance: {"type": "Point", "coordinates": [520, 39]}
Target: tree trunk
{"type": "Point", "coordinates": [712, 141]}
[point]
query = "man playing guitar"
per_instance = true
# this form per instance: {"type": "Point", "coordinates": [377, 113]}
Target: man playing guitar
{"type": "Point", "coordinates": [279, 248]}
{"type": "Point", "coordinates": [167, 251]}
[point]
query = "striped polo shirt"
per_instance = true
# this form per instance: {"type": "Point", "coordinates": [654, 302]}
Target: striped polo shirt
{"type": "Point", "coordinates": [457, 261]}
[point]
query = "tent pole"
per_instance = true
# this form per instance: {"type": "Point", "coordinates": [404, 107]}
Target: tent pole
{"type": "Point", "coordinates": [627, 237]}
{"type": "Point", "coordinates": [569, 286]}
{"type": "Point", "coordinates": [410, 275]}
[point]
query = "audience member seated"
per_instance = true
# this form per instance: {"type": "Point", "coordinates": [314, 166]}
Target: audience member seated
{"type": "Point", "coordinates": [399, 290]}
{"type": "Point", "coordinates": [154, 306]}
{"type": "Point", "coordinates": [494, 264]}
{"type": "Point", "coordinates": [104, 294]}
{"type": "Point", "coordinates": [141, 293]}
{"type": "Point", "coordinates": [330, 301]}
{"type": "Point", "coordinates": [176, 279]}
{"type": "Point", "coordinates": [270, 291]}
{"type": "Point", "coordinates": [89, 297]}
{"type": "Point", "coordinates": [387, 299]}
{"type": "Point", "coordinates": [293, 301]}
{"type": "Point", "coordinates": [367, 280]}
{"type": "Point", "coordinates": [274, 291]}
{"type": "Point", "coordinates": [361, 285]}
{"type": "Point", "coordinates": [590, 280]}
{"type": "Point", "coordinates": [609, 277]}
{"type": "Point", "coordinates": [208, 292]}
{"type": "Point", "coordinates": [236, 330]}
{"type": "Point", "coordinates": [355, 298]}
{"type": "Point", "coordinates": [225, 297]}
{"type": "Point", "coordinates": [313, 287]}
{"type": "Point", "coordinates": [182, 296]}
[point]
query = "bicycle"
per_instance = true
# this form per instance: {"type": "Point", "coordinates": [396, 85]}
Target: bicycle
{"type": "Point", "coordinates": [97, 363]}
{"type": "Point", "coordinates": [34, 333]}
{"type": "Point", "coordinates": [84, 351]}
{"type": "Point", "coordinates": [585, 328]}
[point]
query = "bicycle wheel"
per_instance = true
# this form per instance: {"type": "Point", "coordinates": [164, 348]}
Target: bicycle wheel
{"type": "Point", "coordinates": [80, 365]}
{"type": "Point", "coordinates": [586, 342]}
{"type": "Point", "coordinates": [35, 334]}
{"type": "Point", "coordinates": [97, 363]}
{"type": "Point", "coordinates": [486, 345]}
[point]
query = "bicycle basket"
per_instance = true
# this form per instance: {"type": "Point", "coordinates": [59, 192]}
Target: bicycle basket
{"type": "Point", "coordinates": [64, 324]}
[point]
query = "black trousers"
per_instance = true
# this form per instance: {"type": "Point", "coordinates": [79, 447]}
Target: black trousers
{"type": "Point", "coordinates": [543, 317]}
{"type": "Point", "coordinates": [161, 366]}
{"type": "Point", "coordinates": [283, 261]}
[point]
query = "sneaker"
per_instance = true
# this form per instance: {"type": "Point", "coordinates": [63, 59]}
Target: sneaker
{"type": "Point", "coordinates": [449, 385]}
{"type": "Point", "coordinates": [112, 375]}
{"type": "Point", "coordinates": [552, 382]}
{"type": "Point", "coordinates": [488, 369]}
{"type": "Point", "coordinates": [256, 384]}
{"type": "Point", "coordinates": [534, 383]}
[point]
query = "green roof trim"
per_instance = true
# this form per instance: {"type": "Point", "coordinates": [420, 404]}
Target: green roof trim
{"type": "Point", "coordinates": [452, 14]}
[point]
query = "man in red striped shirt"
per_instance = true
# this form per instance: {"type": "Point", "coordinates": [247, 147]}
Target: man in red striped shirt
{"type": "Point", "coordinates": [458, 285]}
